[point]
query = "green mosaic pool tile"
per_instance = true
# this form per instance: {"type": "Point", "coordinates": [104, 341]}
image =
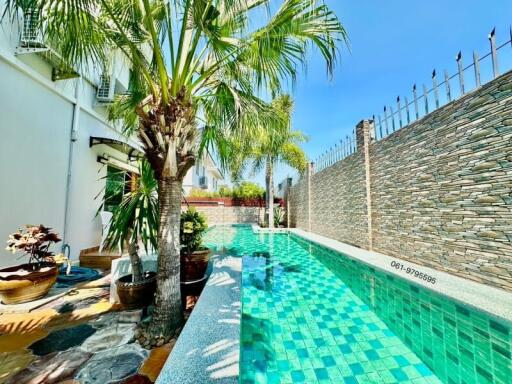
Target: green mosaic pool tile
{"type": "Point", "coordinates": [331, 304]}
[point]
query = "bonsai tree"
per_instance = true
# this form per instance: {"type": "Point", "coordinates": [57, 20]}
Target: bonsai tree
{"type": "Point", "coordinates": [192, 228]}
{"type": "Point", "coordinates": [136, 218]}
{"type": "Point", "coordinates": [196, 70]}
{"type": "Point", "coordinates": [35, 241]}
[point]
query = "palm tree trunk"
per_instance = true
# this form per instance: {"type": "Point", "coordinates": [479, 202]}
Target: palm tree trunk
{"type": "Point", "coordinates": [168, 315]}
{"type": "Point", "coordinates": [133, 252]}
{"type": "Point", "coordinates": [270, 193]}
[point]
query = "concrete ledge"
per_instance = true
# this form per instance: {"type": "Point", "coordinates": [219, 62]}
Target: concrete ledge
{"type": "Point", "coordinates": [496, 302]}
{"type": "Point", "coordinates": [208, 349]}
{"type": "Point", "coordinates": [257, 229]}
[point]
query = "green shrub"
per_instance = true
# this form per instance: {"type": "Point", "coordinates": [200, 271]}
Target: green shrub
{"type": "Point", "coordinates": [248, 190]}
{"type": "Point", "coordinates": [196, 192]}
{"type": "Point", "coordinates": [243, 190]}
{"type": "Point", "coordinates": [193, 226]}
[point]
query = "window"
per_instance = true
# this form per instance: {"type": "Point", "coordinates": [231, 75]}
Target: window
{"type": "Point", "coordinates": [117, 183]}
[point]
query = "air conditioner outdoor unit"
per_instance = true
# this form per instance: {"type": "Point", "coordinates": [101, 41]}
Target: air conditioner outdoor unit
{"type": "Point", "coordinates": [31, 35]}
{"type": "Point", "coordinates": [105, 92]}
{"type": "Point", "coordinates": [203, 182]}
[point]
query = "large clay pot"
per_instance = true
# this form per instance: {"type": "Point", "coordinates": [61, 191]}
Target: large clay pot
{"type": "Point", "coordinates": [22, 288]}
{"type": "Point", "coordinates": [136, 295]}
{"type": "Point", "coordinates": [194, 264]}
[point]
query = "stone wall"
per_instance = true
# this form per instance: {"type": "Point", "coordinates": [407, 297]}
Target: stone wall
{"type": "Point", "coordinates": [298, 200]}
{"type": "Point", "coordinates": [440, 190]}
{"type": "Point", "coordinates": [220, 214]}
{"type": "Point", "coordinates": [338, 202]}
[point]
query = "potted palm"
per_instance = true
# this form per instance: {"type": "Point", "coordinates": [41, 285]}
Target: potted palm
{"type": "Point", "coordinates": [194, 256]}
{"type": "Point", "coordinates": [31, 281]}
{"type": "Point", "coordinates": [135, 221]}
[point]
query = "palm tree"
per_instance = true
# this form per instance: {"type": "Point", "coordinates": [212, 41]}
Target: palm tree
{"type": "Point", "coordinates": [273, 145]}
{"type": "Point", "coordinates": [136, 218]}
{"type": "Point", "coordinates": [197, 66]}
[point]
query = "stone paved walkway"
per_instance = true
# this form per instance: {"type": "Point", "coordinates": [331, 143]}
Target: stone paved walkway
{"type": "Point", "coordinates": [76, 337]}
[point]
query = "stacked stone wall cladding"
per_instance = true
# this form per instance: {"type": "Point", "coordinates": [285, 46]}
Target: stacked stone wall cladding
{"type": "Point", "coordinates": [298, 198]}
{"type": "Point", "coordinates": [441, 190]}
{"type": "Point", "coordinates": [338, 202]}
{"type": "Point", "coordinates": [220, 214]}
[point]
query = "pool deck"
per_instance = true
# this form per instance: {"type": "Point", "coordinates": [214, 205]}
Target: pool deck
{"type": "Point", "coordinates": [208, 348]}
{"type": "Point", "coordinates": [496, 302]}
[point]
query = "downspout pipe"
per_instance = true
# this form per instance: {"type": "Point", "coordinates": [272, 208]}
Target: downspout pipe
{"type": "Point", "coordinates": [73, 137]}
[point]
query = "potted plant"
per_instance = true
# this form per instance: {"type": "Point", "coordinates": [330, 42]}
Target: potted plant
{"type": "Point", "coordinates": [136, 220]}
{"type": "Point", "coordinates": [31, 281]}
{"type": "Point", "coordinates": [194, 256]}
{"type": "Point", "coordinates": [278, 216]}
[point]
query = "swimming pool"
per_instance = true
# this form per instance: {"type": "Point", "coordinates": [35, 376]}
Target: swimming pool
{"type": "Point", "coordinates": [312, 315]}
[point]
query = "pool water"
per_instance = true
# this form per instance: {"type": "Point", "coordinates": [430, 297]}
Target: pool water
{"type": "Point", "coordinates": [311, 315]}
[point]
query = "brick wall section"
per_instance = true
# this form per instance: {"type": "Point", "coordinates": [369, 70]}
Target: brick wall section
{"type": "Point", "coordinates": [220, 214]}
{"type": "Point", "coordinates": [441, 190]}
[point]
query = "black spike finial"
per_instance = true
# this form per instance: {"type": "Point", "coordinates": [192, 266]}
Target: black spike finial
{"type": "Point", "coordinates": [493, 32]}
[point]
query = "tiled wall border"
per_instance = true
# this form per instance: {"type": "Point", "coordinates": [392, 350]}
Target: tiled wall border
{"type": "Point", "coordinates": [495, 302]}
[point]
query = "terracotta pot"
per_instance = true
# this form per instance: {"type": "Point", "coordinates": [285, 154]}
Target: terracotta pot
{"type": "Point", "coordinates": [136, 295]}
{"type": "Point", "coordinates": [194, 265]}
{"type": "Point", "coordinates": [17, 289]}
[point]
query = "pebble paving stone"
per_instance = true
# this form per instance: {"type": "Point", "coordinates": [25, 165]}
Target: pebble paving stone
{"type": "Point", "coordinates": [62, 339]}
{"type": "Point", "coordinates": [114, 336]}
{"type": "Point", "coordinates": [106, 320]}
{"type": "Point", "coordinates": [112, 365]}
{"type": "Point", "coordinates": [52, 368]}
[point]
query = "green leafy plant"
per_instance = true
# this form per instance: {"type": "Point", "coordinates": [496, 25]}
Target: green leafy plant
{"type": "Point", "coordinates": [192, 228]}
{"type": "Point", "coordinates": [136, 218]}
{"type": "Point", "coordinates": [278, 215]}
{"type": "Point", "coordinates": [248, 190]}
{"type": "Point", "coordinates": [196, 192]}
{"type": "Point", "coordinates": [34, 241]}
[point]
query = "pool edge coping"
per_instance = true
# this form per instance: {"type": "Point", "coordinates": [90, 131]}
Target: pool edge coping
{"type": "Point", "coordinates": [463, 291]}
{"type": "Point", "coordinates": [197, 344]}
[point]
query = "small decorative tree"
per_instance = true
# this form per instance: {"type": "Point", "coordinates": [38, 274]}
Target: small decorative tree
{"type": "Point", "coordinates": [193, 226]}
{"type": "Point", "coordinates": [34, 241]}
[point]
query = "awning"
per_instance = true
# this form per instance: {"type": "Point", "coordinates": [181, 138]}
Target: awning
{"type": "Point", "coordinates": [132, 152]}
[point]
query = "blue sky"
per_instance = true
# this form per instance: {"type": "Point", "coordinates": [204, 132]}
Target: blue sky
{"type": "Point", "coordinates": [393, 44]}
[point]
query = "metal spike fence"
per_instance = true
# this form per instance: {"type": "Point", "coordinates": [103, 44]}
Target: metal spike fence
{"type": "Point", "coordinates": [440, 92]}
{"type": "Point", "coordinates": [443, 90]}
{"type": "Point", "coordinates": [338, 152]}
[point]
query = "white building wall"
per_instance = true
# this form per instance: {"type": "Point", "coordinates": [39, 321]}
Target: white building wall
{"type": "Point", "coordinates": [36, 117]}
{"type": "Point", "coordinates": [35, 124]}
{"type": "Point", "coordinates": [191, 180]}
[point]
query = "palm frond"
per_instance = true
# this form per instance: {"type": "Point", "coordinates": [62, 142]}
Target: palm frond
{"type": "Point", "coordinates": [137, 217]}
